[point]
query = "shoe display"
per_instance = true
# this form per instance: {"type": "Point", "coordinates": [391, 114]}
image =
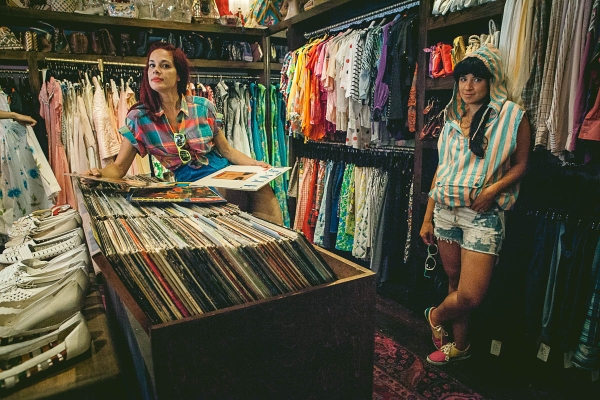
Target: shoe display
{"type": "Point", "coordinates": [46, 231]}
{"type": "Point", "coordinates": [49, 310]}
{"type": "Point", "coordinates": [22, 360]}
{"type": "Point", "coordinates": [448, 353]}
{"type": "Point", "coordinates": [44, 250]}
{"type": "Point", "coordinates": [438, 335]}
{"type": "Point", "coordinates": [35, 267]}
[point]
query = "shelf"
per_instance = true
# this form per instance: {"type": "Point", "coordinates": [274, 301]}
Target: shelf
{"type": "Point", "coordinates": [486, 10]}
{"type": "Point", "coordinates": [276, 68]}
{"type": "Point", "coordinates": [445, 83]}
{"type": "Point", "coordinates": [13, 55]}
{"type": "Point", "coordinates": [14, 16]}
{"type": "Point", "coordinates": [196, 63]}
{"type": "Point", "coordinates": [330, 12]}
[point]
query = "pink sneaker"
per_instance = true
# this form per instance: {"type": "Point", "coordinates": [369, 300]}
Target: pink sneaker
{"type": "Point", "coordinates": [447, 354]}
{"type": "Point", "coordinates": [438, 335]}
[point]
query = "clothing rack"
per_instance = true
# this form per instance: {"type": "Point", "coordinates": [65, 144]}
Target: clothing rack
{"type": "Point", "coordinates": [393, 9]}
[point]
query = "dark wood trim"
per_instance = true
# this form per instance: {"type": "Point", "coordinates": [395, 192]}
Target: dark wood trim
{"type": "Point", "coordinates": [13, 55]}
{"type": "Point", "coordinates": [18, 16]}
{"type": "Point", "coordinates": [445, 83]}
{"type": "Point", "coordinates": [305, 15]}
{"type": "Point", "coordinates": [486, 10]}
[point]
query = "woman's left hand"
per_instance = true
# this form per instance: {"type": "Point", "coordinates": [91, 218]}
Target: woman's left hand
{"type": "Point", "coordinates": [484, 201]}
{"type": "Point", "coordinates": [261, 164]}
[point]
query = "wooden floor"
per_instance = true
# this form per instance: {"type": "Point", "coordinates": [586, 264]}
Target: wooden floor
{"type": "Point", "coordinates": [492, 377]}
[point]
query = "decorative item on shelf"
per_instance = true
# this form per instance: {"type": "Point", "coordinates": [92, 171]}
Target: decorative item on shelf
{"type": "Point", "coordinates": [78, 42]}
{"type": "Point", "coordinates": [35, 4]}
{"type": "Point", "coordinates": [182, 11]}
{"type": "Point", "coordinates": [29, 41]}
{"type": "Point", "coordinates": [264, 13]}
{"type": "Point", "coordinates": [145, 9]}
{"type": "Point", "coordinates": [205, 11]}
{"type": "Point", "coordinates": [63, 5]}
{"type": "Point", "coordinates": [8, 40]}
{"type": "Point", "coordinates": [123, 10]}
{"type": "Point", "coordinates": [230, 20]}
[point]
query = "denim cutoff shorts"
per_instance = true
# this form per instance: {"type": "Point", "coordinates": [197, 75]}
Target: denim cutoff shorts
{"type": "Point", "coordinates": [479, 232]}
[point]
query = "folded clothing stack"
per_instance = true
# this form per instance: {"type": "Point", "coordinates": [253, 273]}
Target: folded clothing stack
{"type": "Point", "coordinates": [41, 295]}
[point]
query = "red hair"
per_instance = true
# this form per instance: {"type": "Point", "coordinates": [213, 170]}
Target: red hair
{"type": "Point", "coordinates": [149, 98]}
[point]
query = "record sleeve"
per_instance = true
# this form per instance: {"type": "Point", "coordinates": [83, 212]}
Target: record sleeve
{"type": "Point", "coordinates": [181, 193]}
{"type": "Point", "coordinates": [241, 177]}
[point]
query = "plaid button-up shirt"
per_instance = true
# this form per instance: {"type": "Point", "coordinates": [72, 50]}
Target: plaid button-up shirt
{"type": "Point", "coordinates": [197, 119]}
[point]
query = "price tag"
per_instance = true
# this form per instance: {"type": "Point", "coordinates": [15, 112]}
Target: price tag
{"type": "Point", "coordinates": [543, 352]}
{"type": "Point", "coordinates": [496, 347]}
{"type": "Point", "coordinates": [595, 375]}
{"type": "Point", "coordinates": [568, 357]}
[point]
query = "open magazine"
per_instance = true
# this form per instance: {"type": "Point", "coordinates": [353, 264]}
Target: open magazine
{"type": "Point", "coordinates": [241, 177]}
{"type": "Point", "coordinates": [125, 183]}
{"type": "Point", "coordinates": [181, 193]}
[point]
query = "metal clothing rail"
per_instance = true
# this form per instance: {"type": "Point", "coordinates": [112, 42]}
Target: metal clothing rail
{"type": "Point", "coordinates": [393, 9]}
{"type": "Point", "coordinates": [122, 64]}
{"type": "Point", "coordinates": [71, 61]}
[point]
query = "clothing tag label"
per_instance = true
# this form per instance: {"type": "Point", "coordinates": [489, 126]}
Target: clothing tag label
{"type": "Point", "coordinates": [543, 352]}
{"type": "Point", "coordinates": [496, 347]}
{"type": "Point", "coordinates": [595, 375]}
{"type": "Point", "coordinates": [568, 357]}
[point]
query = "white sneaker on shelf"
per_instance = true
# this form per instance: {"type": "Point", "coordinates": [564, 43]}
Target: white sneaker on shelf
{"type": "Point", "coordinates": [44, 313]}
{"type": "Point", "coordinates": [28, 358]}
{"type": "Point", "coordinates": [44, 250]}
{"type": "Point", "coordinates": [41, 230]}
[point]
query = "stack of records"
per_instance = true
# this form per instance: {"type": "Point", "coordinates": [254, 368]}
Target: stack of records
{"type": "Point", "coordinates": [179, 261]}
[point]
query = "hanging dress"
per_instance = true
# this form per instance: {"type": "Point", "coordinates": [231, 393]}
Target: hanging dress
{"type": "Point", "coordinates": [50, 98]}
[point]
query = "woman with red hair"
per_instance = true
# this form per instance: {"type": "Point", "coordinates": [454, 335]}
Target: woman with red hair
{"type": "Point", "coordinates": [182, 132]}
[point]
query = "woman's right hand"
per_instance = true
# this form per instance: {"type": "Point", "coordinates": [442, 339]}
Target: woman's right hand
{"type": "Point", "coordinates": [426, 232]}
{"type": "Point", "coordinates": [93, 172]}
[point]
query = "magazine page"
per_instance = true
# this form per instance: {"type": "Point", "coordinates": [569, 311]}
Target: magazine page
{"type": "Point", "coordinates": [241, 177]}
{"type": "Point", "coordinates": [182, 193]}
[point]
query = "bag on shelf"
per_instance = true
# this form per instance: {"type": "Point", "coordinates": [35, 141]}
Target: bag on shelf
{"type": "Point", "coordinates": [473, 44]}
{"type": "Point", "coordinates": [107, 42]}
{"type": "Point", "coordinates": [63, 5]}
{"type": "Point", "coordinates": [61, 45]}
{"type": "Point", "coordinates": [8, 40]}
{"type": "Point", "coordinates": [213, 48]}
{"type": "Point", "coordinates": [246, 51]}
{"type": "Point", "coordinates": [95, 45]}
{"type": "Point", "coordinates": [447, 59]}
{"type": "Point", "coordinates": [29, 40]}
{"type": "Point", "coordinates": [78, 42]}
{"type": "Point", "coordinates": [198, 41]}
{"type": "Point", "coordinates": [493, 38]}
{"type": "Point", "coordinates": [125, 44]}
{"type": "Point", "coordinates": [257, 53]}
{"type": "Point", "coordinates": [458, 50]}
{"type": "Point", "coordinates": [437, 68]}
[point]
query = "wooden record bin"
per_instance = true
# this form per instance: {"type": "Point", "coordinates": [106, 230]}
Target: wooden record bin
{"type": "Point", "coordinates": [317, 343]}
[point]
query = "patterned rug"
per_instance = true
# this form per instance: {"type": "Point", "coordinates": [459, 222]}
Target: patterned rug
{"type": "Point", "coordinates": [399, 374]}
